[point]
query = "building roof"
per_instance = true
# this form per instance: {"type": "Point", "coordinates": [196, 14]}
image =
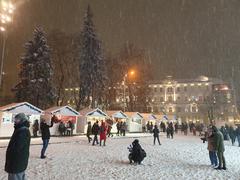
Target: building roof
{"type": "Point", "coordinates": [22, 107]}
{"type": "Point", "coordinates": [133, 114]}
{"type": "Point", "coordinates": [149, 116]}
{"type": "Point", "coordinates": [200, 79]}
{"type": "Point", "coordinates": [62, 110]}
{"type": "Point", "coordinates": [117, 114]}
{"type": "Point", "coordinates": [97, 113]}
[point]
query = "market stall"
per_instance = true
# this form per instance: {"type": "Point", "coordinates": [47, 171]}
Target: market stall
{"type": "Point", "coordinates": [151, 118]}
{"type": "Point", "coordinates": [8, 112]}
{"type": "Point", "coordinates": [117, 116]}
{"type": "Point", "coordinates": [91, 115]}
{"type": "Point", "coordinates": [134, 122]}
{"type": "Point", "coordinates": [63, 114]}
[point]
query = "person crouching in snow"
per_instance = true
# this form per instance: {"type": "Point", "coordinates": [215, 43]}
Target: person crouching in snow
{"type": "Point", "coordinates": [18, 149]}
{"type": "Point", "coordinates": [103, 134]}
{"type": "Point", "coordinates": [137, 154]}
{"type": "Point", "coordinates": [211, 148]}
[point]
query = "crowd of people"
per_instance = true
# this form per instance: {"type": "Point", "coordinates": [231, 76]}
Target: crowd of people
{"type": "Point", "coordinates": [17, 153]}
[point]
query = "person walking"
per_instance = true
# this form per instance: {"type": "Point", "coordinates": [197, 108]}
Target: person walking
{"type": "Point", "coordinates": [211, 148]}
{"type": "Point", "coordinates": [35, 128]}
{"type": "Point", "coordinates": [176, 127]}
{"type": "Point", "coordinates": [156, 135]}
{"type": "Point", "coordinates": [118, 127]}
{"type": "Point", "coordinates": [103, 134]}
{"type": "Point", "coordinates": [44, 126]}
{"type": "Point", "coordinates": [219, 146]}
{"type": "Point", "coordinates": [171, 129]}
{"type": "Point", "coordinates": [124, 128]}
{"type": "Point", "coordinates": [237, 132]}
{"type": "Point", "coordinates": [95, 132]}
{"type": "Point", "coordinates": [89, 132]}
{"type": "Point", "coordinates": [232, 134]}
{"type": "Point", "coordinates": [17, 154]}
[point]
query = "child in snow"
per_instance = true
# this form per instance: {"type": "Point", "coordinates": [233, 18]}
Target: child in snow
{"type": "Point", "coordinates": [137, 154]}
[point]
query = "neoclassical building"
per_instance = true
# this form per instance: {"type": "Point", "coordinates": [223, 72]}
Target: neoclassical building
{"type": "Point", "coordinates": [192, 99]}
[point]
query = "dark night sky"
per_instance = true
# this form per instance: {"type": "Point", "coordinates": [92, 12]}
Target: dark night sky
{"type": "Point", "coordinates": [182, 37]}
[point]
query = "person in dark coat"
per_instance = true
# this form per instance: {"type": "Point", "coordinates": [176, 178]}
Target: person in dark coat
{"type": "Point", "coordinates": [163, 126]}
{"type": "Point", "coordinates": [156, 135]}
{"type": "Point", "coordinates": [45, 136]}
{"type": "Point", "coordinates": [62, 129]}
{"type": "Point", "coordinates": [17, 154]}
{"type": "Point", "coordinates": [137, 153]}
{"type": "Point", "coordinates": [89, 132]}
{"type": "Point", "coordinates": [219, 146]}
{"type": "Point", "coordinates": [232, 134]}
{"type": "Point", "coordinates": [95, 132]}
{"type": "Point", "coordinates": [237, 132]}
{"type": "Point", "coordinates": [124, 128]}
{"type": "Point", "coordinates": [151, 127]}
{"type": "Point", "coordinates": [212, 148]}
{"type": "Point", "coordinates": [176, 127]}
{"type": "Point", "coordinates": [118, 127]}
{"type": "Point", "coordinates": [35, 128]}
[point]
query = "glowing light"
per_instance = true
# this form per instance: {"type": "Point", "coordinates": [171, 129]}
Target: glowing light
{"type": "Point", "coordinates": [2, 29]}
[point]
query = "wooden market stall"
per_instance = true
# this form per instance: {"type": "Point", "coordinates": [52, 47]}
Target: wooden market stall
{"type": "Point", "coordinates": [134, 122]}
{"type": "Point", "coordinates": [63, 114]}
{"type": "Point", "coordinates": [8, 112]}
{"type": "Point", "coordinates": [91, 115]}
{"type": "Point", "coordinates": [117, 116]}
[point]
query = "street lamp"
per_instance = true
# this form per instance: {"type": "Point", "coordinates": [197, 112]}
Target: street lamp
{"type": "Point", "coordinates": [7, 9]}
{"type": "Point", "coordinates": [131, 73]}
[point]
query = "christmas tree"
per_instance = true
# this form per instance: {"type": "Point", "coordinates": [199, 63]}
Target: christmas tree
{"type": "Point", "coordinates": [36, 72]}
{"type": "Point", "coordinates": [93, 76]}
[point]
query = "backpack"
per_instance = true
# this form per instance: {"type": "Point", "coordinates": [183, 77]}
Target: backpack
{"type": "Point", "coordinates": [143, 153]}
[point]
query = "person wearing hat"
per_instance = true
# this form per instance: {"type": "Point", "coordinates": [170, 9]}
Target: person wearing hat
{"type": "Point", "coordinates": [17, 154]}
{"type": "Point", "coordinates": [219, 146]}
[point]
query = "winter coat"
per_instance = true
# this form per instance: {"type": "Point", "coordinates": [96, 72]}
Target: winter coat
{"type": "Point", "coordinates": [138, 153]}
{"type": "Point", "coordinates": [211, 145]}
{"type": "Point", "coordinates": [124, 126]}
{"type": "Point", "coordinates": [95, 129]}
{"type": "Point", "coordinates": [232, 133]}
{"type": "Point", "coordinates": [89, 130]}
{"type": "Point", "coordinates": [237, 131]}
{"type": "Point", "coordinates": [45, 130]}
{"type": "Point", "coordinates": [35, 127]}
{"type": "Point", "coordinates": [103, 132]}
{"type": "Point", "coordinates": [219, 141]}
{"type": "Point", "coordinates": [155, 132]}
{"type": "Point", "coordinates": [18, 149]}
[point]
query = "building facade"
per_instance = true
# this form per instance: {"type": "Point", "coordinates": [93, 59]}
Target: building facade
{"type": "Point", "coordinates": [193, 99]}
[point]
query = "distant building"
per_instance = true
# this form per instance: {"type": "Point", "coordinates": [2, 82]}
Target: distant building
{"type": "Point", "coordinates": [183, 99]}
{"type": "Point", "coordinates": [191, 99]}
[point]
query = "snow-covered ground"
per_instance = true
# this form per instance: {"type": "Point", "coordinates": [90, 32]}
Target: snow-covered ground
{"type": "Point", "coordinates": [179, 158]}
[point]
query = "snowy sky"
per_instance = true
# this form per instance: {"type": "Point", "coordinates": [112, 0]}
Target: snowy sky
{"type": "Point", "coordinates": [177, 34]}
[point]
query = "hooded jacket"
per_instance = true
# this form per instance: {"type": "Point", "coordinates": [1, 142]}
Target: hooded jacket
{"type": "Point", "coordinates": [18, 149]}
{"type": "Point", "coordinates": [218, 140]}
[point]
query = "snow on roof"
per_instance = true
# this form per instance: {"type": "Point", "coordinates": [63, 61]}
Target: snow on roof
{"type": "Point", "coordinates": [149, 116]}
{"type": "Point", "coordinates": [134, 114]}
{"type": "Point", "coordinates": [23, 107]}
{"type": "Point", "coordinates": [117, 114]}
{"type": "Point", "coordinates": [97, 113]}
{"type": "Point", "coordinates": [85, 111]}
{"type": "Point", "coordinates": [63, 110]}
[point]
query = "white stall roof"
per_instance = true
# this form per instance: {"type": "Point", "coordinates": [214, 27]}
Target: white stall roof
{"type": "Point", "coordinates": [23, 107]}
{"type": "Point", "coordinates": [97, 113]}
{"type": "Point", "coordinates": [62, 110]}
{"type": "Point", "coordinates": [134, 115]}
{"type": "Point", "coordinates": [149, 116]}
{"type": "Point", "coordinates": [117, 114]}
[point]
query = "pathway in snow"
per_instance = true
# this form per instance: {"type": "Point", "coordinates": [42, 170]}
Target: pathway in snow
{"type": "Point", "coordinates": [182, 158]}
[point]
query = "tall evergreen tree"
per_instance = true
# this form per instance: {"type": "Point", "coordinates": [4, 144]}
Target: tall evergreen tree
{"type": "Point", "coordinates": [35, 73]}
{"type": "Point", "coordinates": [93, 76]}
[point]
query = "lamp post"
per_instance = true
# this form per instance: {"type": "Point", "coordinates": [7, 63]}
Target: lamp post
{"type": "Point", "coordinates": [7, 9]}
{"type": "Point", "coordinates": [131, 73]}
